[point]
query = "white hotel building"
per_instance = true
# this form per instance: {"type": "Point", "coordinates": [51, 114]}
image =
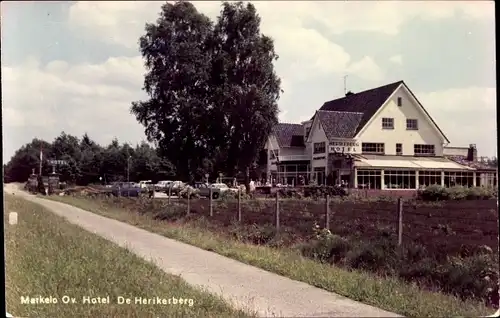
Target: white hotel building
{"type": "Point", "coordinates": [382, 138]}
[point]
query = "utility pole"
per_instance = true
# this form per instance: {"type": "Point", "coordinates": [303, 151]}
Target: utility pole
{"type": "Point", "coordinates": [128, 169]}
{"type": "Point", "coordinates": [41, 159]}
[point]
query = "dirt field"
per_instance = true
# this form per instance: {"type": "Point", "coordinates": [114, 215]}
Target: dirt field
{"type": "Point", "coordinates": [448, 228]}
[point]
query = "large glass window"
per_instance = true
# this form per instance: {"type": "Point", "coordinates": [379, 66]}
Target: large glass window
{"type": "Point", "coordinates": [373, 148]}
{"type": "Point", "coordinates": [424, 150]}
{"type": "Point", "coordinates": [369, 179]}
{"type": "Point", "coordinates": [458, 178]}
{"type": "Point", "coordinates": [399, 179]}
{"type": "Point", "coordinates": [427, 178]}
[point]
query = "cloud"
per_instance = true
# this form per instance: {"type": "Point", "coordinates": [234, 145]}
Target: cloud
{"type": "Point", "coordinates": [123, 22]}
{"type": "Point", "coordinates": [397, 59]}
{"type": "Point", "coordinates": [465, 115]}
{"type": "Point", "coordinates": [366, 68]}
{"type": "Point", "coordinates": [93, 98]}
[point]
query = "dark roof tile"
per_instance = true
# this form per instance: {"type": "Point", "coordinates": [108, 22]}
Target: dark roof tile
{"type": "Point", "coordinates": [339, 124]}
{"type": "Point", "coordinates": [289, 135]}
{"type": "Point", "coordinates": [366, 102]}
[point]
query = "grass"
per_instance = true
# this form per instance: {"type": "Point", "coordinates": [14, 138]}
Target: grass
{"type": "Point", "coordinates": [48, 257]}
{"type": "Point", "coordinates": [387, 293]}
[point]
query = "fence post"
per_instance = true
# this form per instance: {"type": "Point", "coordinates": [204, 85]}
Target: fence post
{"type": "Point", "coordinates": [400, 222]}
{"type": "Point", "coordinates": [169, 193]}
{"type": "Point", "coordinates": [327, 212]}
{"type": "Point", "coordinates": [239, 204]}
{"type": "Point", "coordinates": [277, 211]}
{"type": "Point", "coordinates": [210, 195]}
{"type": "Point", "coordinates": [188, 203]}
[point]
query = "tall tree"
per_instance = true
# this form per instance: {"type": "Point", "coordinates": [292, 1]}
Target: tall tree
{"type": "Point", "coordinates": [244, 84]}
{"type": "Point", "coordinates": [177, 63]}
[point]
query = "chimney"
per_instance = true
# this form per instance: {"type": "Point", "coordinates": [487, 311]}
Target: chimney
{"type": "Point", "coordinates": [472, 153]}
{"type": "Point", "coordinates": [349, 93]}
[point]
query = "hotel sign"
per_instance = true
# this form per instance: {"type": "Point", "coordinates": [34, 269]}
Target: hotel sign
{"type": "Point", "coordinates": [343, 147]}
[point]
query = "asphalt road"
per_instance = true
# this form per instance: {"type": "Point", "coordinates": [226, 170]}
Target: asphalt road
{"type": "Point", "coordinates": [245, 286]}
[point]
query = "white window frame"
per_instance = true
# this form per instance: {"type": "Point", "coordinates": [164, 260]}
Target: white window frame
{"type": "Point", "coordinates": [387, 123]}
{"type": "Point", "coordinates": [400, 152]}
{"type": "Point", "coordinates": [424, 150]}
{"type": "Point", "coordinates": [400, 179]}
{"type": "Point", "coordinates": [458, 178]}
{"type": "Point", "coordinates": [319, 147]}
{"type": "Point", "coordinates": [369, 179]}
{"type": "Point", "coordinates": [411, 124]}
{"type": "Point", "coordinates": [379, 148]}
{"type": "Point", "coordinates": [429, 177]}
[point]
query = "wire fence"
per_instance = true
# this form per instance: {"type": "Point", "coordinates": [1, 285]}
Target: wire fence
{"type": "Point", "coordinates": [445, 226]}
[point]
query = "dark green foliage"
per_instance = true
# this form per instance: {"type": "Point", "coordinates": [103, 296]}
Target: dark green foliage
{"type": "Point", "coordinates": [438, 193]}
{"type": "Point", "coordinates": [87, 161]}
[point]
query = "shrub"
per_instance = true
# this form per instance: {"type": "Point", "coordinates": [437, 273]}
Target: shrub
{"type": "Point", "coordinates": [437, 193]}
{"type": "Point", "coordinates": [470, 277]}
{"type": "Point", "coordinates": [379, 256]}
{"type": "Point", "coordinates": [432, 193]}
{"type": "Point", "coordinates": [254, 233]}
{"type": "Point", "coordinates": [188, 191]}
{"type": "Point", "coordinates": [326, 247]}
{"type": "Point", "coordinates": [323, 191]}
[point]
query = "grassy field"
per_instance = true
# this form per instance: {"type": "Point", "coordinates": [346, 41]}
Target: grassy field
{"type": "Point", "coordinates": [387, 293]}
{"type": "Point", "coordinates": [50, 258]}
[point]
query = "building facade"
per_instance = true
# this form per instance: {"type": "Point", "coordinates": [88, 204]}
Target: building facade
{"type": "Point", "coordinates": [382, 138]}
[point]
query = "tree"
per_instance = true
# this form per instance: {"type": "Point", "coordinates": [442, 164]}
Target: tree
{"type": "Point", "coordinates": [244, 84]}
{"type": "Point", "coordinates": [212, 90]}
{"type": "Point", "coordinates": [177, 63]}
{"type": "Point", "coordinates": [25, 159]}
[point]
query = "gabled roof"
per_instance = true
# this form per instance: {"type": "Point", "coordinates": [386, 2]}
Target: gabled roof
{"type": "Point", "coordinates": [289, 135]}
{"type": "Point", "coordinates": [367, 102]}
{"type": "Point", "coordinates": [339, 124]}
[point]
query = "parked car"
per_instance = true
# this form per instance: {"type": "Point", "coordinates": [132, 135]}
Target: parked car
{"type": "Point", "coordinates": [145, 184]}
{"type": "Point", "coordinates": [217, 189]}
{"type": "Point", "coordinates": [176, 187]}
{"type": "Point", "coordinates": [126, 189]}
{"type": "Point", "coordinates": [163, 185]}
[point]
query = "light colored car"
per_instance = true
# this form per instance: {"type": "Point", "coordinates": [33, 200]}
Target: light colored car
{"type": "Point", "coordinates": [223, 187]}
{"type": "Point", "coordinates": [177, 187]}
{"type": "Point", "coordinates": [163, 185]}
{"type": "Point", "coordinates": [145, 184]}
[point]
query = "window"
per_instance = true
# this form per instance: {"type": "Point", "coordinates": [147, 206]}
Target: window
{"type": "Point", "coordinates": [428, 178]}
{"type": "Point", "coordinates": [412, 124]}
{"type": "Point", "coordinates": [319, 175]}
{"type": "Point", "coordinates": [369, 179]}
{"type": "Point", "coordinates": [319, 147]}
{"type": "Point", "coordinates": [486, 179]}
{"type": "Point", "coordinates": [460, 178]}
{"type": "Point", "coordinates": [308, 130]}
{"type": "Point", "coordinates": [424, 150]}
{"type": "Point", "coordinates": [400, 101]}
{"type": "Point", "coordinates": [272, 154]}
{"type": "Point", "coordinates": [387, 123]}
{"type": "Point", "coordinates": [399, 179]}
{"type": "Point", "coordinates": [399, 149]}
{"type": "Point", "coordinates": [373, 148]}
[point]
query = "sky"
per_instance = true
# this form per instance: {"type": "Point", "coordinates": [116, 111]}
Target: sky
{"type": "Point", "coordinates": [76, 67]}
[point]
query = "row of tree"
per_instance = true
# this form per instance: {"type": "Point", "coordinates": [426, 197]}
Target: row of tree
{"type": "Point", "coordinates": [83, 161]}
{"type": "Point", "coordinates": [212, 89]}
